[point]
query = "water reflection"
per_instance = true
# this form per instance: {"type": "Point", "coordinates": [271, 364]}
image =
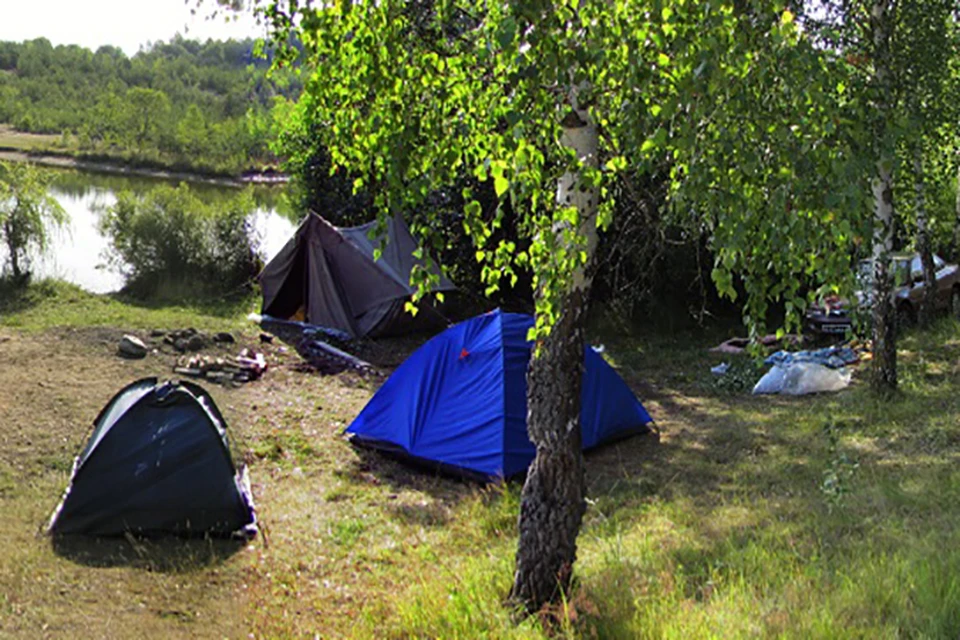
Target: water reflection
{"type": "Point", "coordinates": [78, 253]}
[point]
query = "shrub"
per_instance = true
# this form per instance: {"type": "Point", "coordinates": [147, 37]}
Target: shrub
{"type": "Point", "coordinates": [169, 241]}
{"type": "Point", "coordinates": [27, 212]}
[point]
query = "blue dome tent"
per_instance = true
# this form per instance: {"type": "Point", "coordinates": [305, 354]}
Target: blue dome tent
{"type": "Point", "coordinates": [460, 401]}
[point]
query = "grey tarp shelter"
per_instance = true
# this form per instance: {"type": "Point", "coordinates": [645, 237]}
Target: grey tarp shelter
{"type": "Point", "coordinates": [329, 274]}
{"type": "Point", "coordinates": [157, 462]}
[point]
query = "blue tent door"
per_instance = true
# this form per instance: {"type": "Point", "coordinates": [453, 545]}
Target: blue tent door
{"type": "Point", "coordinates": [460, 401]}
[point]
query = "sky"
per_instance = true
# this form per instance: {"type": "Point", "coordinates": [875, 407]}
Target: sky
{"type": "Point", "coordinates": [128, 24]}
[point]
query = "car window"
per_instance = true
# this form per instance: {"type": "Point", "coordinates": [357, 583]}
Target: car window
{"type": "Point", "coordinates": [938, 263]}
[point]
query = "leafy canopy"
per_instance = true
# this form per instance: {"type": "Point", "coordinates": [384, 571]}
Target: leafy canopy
{"type": "Point", "coordinates": [729, 97]}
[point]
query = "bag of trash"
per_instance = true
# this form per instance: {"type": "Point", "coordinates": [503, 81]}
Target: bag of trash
{"type": "Point", "coordinates": [771, 382]}
{"type": "Point", "coordinates": [802, 378]}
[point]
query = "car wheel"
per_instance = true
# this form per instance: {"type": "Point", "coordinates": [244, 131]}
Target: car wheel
{"type": "Point", "coordinates": [904, 317]}
{"type": "Point", "coordinates": [955, 303]}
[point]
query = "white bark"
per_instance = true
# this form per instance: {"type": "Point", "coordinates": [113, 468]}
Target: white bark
{"type": "Point", "coordinates": [882, 215]}
{"type": "Point", "coordinates": [584, 140]}
{"type": "Point", "coordinates": [884, 326]}
{"type": "Point", "coordinates": [956, 228]}
{"type": "Point", "coordinates": [920, 196]}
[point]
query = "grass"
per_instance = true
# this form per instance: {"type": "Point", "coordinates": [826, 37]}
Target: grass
{"type": "Point", "coordinates": [834, 516]}
{"type": "Point", "coordinates": [54, 303]}
{"type": "Point", "coordinates": [25, 142]}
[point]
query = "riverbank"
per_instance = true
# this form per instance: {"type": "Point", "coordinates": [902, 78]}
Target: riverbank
{"type": "Point", "coordinates": [43, 149]}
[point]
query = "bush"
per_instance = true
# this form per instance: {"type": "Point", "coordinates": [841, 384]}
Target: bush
{"type": "Point", "coordinates": [27, 213]}
{"type": "Point", "coordinates": [169, 241]}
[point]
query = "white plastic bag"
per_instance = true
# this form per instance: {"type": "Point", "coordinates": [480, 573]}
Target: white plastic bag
{"type": "Point", "coordinates": [801, 378]}
{"type": "Point", "coordinates": [810, 377]}
{"type": "Point", "coordinates": [772, 381]}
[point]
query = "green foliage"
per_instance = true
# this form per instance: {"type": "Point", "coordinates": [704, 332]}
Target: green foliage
{"type": "Point", "coordinates": [27, 211]}
{"type": "Point", "coordinates": [414, 97]}
{"type": "Point", "coordinates": [180, 102]}
{"type": "Point", "coordinates": [318, 186]}
{"type": "Point", "coordinates": [147, 113]}
{"type": "Point", "coordinates": [754, 123]}
{"type": "Point", "coordinates": [171, 240]}
{"type": "Point", "coordinates": [740, 377]}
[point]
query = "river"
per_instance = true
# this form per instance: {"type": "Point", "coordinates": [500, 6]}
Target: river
{"type": "Point", "coordinates": [79, 253]}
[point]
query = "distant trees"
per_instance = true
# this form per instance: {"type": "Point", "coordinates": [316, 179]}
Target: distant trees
{"type": "Point", "coordinates": [177, 103]}
{"type": "Point", "coordinates": [147, 112]}
{"type": "Point", "coordinates": [27, 211]}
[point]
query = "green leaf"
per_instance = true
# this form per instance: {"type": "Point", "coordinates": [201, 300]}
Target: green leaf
{"type": "Point", "coordinates": [500, 185]}
{"type": "Point", "coordinates": [507, 32]}
{"type": "Point", "coordinates": [655, 142]}
{"type": "Point", "coordinates": [616, 163]}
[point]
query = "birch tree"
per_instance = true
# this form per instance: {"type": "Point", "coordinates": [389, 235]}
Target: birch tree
{"type": "Point", "coordinates": [925, 47]}
{"type": "Point", "coordinates": [894, 51]}
{"type": "Point", "coordinates": [881, 21]}
{"type": "Point", "coordinates": [551, 102]}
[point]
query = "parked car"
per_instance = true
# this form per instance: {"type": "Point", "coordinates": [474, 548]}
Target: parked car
{"type": "Point", "coordinates": [834, 316]}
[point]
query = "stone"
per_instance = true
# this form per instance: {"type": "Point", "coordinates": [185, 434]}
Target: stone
{"type": "Point", "coordinates": [224, 337]}
{"type": "Point", "coordinates": [183, 334]}
{"type": "Point", "coordinates": [266, 338]}
{"type": "Point", "coordinates": [196, 342]}
{"type": "Point", "coordinates": [132, 347]}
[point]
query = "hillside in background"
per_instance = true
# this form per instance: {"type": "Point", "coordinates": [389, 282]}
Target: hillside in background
{"type": "Point", "coordinates": [186, 104]}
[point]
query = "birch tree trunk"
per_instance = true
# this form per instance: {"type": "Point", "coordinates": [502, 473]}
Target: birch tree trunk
{"type": "Point", "coordinates": [884, 319]}
{"type": "Point", "coordinates": [553, 498]}
{"type": "Point", "coordinates": [956, 224]}
{"type": "Point", "coordinates": [928, 303]}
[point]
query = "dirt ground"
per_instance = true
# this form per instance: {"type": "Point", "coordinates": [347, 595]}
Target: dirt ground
{"type": "Point", "coordinates": [340, 527]}
{"type": "Point", "coordinates": [52, 386]}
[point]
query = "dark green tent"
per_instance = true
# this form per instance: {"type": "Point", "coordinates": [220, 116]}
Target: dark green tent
{"type": "Point", "coordinates": [157, 462]}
